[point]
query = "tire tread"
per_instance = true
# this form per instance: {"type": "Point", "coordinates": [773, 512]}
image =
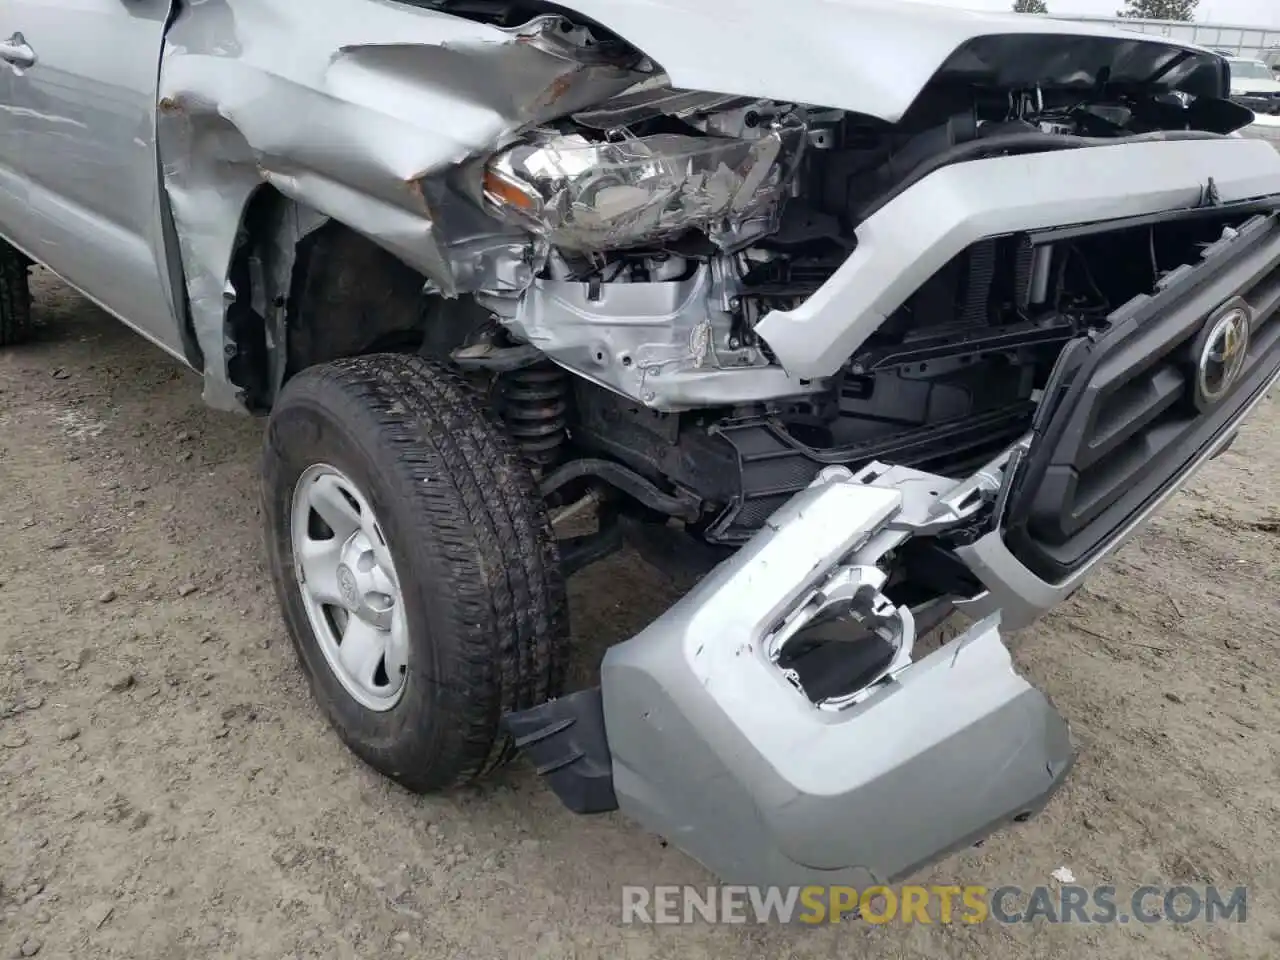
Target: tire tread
{"type": "Point", "coordinates": [508, 640]}
{"type": "Point", "coordinates": [15, 297]}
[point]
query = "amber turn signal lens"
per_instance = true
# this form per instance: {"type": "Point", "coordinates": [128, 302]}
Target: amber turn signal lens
{"type": "Point", "coordinates": [502, 191]}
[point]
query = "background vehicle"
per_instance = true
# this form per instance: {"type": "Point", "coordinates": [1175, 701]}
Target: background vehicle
{"type": "Point", "coordinates": [1253, 85]}
{"type": "Point", "coordinates": [856, 353]}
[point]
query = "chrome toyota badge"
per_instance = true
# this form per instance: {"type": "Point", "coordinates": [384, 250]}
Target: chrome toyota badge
{"type": "Point", "coordinates": [1223, 350]}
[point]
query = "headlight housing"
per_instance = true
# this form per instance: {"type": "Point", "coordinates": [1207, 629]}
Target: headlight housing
{"type": "Point", "coordinates": [590, 196]}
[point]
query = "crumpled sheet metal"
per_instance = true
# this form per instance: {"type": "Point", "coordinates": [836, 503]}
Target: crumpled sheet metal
{"type": "Point", "coordinates": [655, 101]}
{"type": "Point", "coordinates": [271, 265]}
{"type": "Point", "coordinates": [630, 191]}
{"type": "Point", "coordinates": [355, 108]}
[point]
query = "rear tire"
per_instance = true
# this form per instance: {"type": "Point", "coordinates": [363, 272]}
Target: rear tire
{"type": "Point", "coordinates": [475, 561]}
{"type": "Point", "coordinates": [15, 297]}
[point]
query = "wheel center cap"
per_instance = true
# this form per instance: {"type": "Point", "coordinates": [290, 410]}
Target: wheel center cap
{"type": "Point", "coordinates": [347, 587]}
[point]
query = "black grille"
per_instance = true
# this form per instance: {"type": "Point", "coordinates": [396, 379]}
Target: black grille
{"type": "Point", "coordinates": [773, 466]}
{"type": "Point", "coordinates": [980, 275]}
{"type": "Point", "coordinates": [1119, 423]}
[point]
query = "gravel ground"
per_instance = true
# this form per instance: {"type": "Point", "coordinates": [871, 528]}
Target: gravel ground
{"type": "Point", "coordinates": [168, 789]}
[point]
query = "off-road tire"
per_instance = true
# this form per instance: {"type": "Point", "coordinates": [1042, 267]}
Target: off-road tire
{"type": "Point", "coordinates": [15, 297]}
{"type": "Point", "coordinates": [470, 539]}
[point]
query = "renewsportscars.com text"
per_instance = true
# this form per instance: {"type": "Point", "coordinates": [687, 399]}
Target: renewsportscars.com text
{"type": "Point", "coordinates": [935, 904]}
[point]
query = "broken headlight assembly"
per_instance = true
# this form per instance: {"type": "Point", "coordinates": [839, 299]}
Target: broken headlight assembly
{"type": "Point", "coordinates": [612, 194]}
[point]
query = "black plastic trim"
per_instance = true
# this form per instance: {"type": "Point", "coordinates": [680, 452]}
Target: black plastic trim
{"type": "Point", "coordinates": [773, 466]}
{"type": "Point", "coordinates": [565, 739]}
{"type": "Point", "coordinates": [1242, 208]}
{"type": "Point", "coordinates": [1110, 437]}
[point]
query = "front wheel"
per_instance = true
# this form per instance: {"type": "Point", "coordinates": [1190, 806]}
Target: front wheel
{"type": "Point", "coordinates": [15, 297]}
{"type": "Point", "coordinates": [414, 564]}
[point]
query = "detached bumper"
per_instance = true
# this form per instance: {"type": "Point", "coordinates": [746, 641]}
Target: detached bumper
{"type": "Point", "coordinates": [715, 749]}
{"type": "Point", "coordinates": [714, 728]}
{"type": "Point", "coordinates": [955, 747]}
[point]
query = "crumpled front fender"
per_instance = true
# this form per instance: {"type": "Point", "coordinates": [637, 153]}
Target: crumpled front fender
{"type": "Point", "coordinates": [359, 110]}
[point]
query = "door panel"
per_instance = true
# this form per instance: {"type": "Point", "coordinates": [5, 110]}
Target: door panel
{"type": "Point", "coordinates": [13, 192]}
{"type": "Point", "coordinates": [84, 119]}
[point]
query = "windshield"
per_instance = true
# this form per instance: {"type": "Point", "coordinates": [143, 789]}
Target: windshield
{"type": "Point", "coordinates": [1251, 70]}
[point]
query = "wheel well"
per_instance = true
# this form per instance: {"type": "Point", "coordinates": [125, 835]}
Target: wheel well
{"type": "Point", "coordinates": [309, 290]}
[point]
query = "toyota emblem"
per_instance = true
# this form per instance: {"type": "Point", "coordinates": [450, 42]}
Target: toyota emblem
{"type": "Point", "coordinates": [1222, 353]}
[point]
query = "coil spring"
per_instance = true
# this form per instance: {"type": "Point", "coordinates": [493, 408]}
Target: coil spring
{"type": "Point", "coordinates": [535, 403]}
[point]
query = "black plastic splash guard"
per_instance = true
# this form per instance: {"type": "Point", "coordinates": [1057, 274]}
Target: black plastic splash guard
{"type": "Point", "coordinates": [565, 740]}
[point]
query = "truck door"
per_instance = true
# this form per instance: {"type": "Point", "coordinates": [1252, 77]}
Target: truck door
{"type": "Point", "coordinates": [82, 111]}
{"type": "Point", "coordinates": [13, 190]}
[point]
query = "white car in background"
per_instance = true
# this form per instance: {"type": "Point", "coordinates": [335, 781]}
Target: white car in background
{"type": "Point", "coordinates": [1254, 85]}
{"type": "Point", "coordinates": [1266, 127]}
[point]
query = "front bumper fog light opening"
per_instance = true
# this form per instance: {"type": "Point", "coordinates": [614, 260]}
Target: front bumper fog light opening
{"type": "Point", "coordinates": [844, 640]}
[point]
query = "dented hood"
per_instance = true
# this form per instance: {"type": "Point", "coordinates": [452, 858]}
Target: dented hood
{"type": "Point", "coordinates": [868, 56]}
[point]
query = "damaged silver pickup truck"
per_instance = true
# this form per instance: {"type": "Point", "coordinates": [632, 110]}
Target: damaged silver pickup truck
{"type": "Point", "coordinates": [865, 313]}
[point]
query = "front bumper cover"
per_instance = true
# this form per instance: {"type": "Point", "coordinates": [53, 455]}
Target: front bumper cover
{"type": "Point", "coordinates": [700, 735]}
{"type": "Point", "coordinates": [713, 748]}
{"type": "Point", "coordinates": [713, 740]}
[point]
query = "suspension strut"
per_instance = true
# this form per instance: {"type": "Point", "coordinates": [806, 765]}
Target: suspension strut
{"type": "Point", "coordinates": [535, 401]}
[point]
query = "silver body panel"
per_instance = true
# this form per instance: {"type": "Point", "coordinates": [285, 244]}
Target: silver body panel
{"type": "Point", "coordinates": [713, 749]}
{"type": "Point", "coordinates": [667, 344]}
{"type": "Point", "coordinates": [867, 56]}
{"type": "Point", "coordinates": [955, 747]}
{"type": "Point", "coordinates": [78, 141]}
{"type": "Point", "coordinates": [370, 102]}
{"type": "Point", "coordinates": [916, 233]}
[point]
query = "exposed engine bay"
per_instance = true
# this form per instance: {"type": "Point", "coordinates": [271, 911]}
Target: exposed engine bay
{"type": "Point", "coordinates": [687, 306]}
{"type": "Point", "coordinates": [668, 222]}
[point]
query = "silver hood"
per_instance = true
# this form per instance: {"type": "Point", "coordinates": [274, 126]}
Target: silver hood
{"type": "Point", "coordinates": [868, 56]}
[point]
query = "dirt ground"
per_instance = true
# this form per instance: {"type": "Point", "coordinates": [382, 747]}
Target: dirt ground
{"type": "Point", "coordinates": [168, 789]}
